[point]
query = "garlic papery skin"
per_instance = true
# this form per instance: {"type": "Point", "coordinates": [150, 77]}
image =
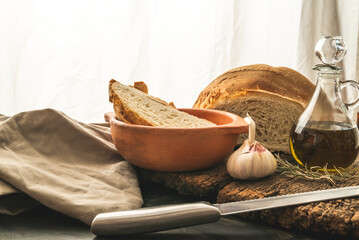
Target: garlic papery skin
{"type": "Point", "coordinates": [252, 160]}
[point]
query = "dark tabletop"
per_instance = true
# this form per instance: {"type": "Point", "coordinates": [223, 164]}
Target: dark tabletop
{"type": "Point", "coordinates": [44, 223]}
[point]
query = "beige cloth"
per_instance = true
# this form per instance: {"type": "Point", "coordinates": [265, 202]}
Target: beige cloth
{"type": "Point", "coordinates": [66, 165]}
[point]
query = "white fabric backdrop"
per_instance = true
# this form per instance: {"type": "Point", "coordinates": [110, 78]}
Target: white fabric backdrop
{"type": "Point", "coordinates": [61, 54]}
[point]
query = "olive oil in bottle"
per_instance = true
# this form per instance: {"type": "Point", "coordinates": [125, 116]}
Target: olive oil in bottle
{"type": "Point", "coordinates": [317, 145]}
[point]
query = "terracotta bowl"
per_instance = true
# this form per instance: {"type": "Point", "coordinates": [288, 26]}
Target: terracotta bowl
{"type": "Point", "coordinates": [178, 149]}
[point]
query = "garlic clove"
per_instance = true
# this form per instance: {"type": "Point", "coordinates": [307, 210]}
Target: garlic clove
{"type": "Point", "coordinates": [231, 162]}
{"type": "Point", "coordinates": [264, 165]}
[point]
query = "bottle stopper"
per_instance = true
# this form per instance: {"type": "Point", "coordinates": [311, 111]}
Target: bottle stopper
{"type": "Point", "coordinates": [330, 49]}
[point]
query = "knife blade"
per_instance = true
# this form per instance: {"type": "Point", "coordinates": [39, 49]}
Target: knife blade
{"type": "Point", "coordinates": [153, 219]}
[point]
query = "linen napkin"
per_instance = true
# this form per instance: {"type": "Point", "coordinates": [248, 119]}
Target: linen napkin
{"type": "Point", "coordinates": [65, 165]}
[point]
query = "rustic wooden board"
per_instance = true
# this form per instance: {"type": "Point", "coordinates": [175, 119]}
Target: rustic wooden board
{"type": "Point", "coordinates": [339, 217]}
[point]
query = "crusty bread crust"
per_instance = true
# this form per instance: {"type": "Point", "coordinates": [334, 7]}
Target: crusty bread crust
{"type": "Point", "coordinates": [141, 86]}
{"type": "Point", "coordinates": [283, 81]}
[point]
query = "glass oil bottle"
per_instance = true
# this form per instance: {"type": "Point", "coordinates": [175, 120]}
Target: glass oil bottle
{"type": "Point", "coordinates": [326, 135]}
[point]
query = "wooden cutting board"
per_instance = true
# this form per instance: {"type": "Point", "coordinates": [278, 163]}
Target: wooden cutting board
{"type": "Point", "coordinates": [339, 217]}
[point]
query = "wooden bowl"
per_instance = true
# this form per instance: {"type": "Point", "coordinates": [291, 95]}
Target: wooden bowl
{"type": "Point", "coordinates": [178, 149]}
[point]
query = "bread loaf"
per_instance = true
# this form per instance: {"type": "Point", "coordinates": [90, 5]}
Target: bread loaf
{"type": "Point", "coordinates": [134, 106]}
{"type": "Point", "coordinates": [273, 96]}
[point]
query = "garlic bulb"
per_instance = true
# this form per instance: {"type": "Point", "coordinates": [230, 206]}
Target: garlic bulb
{"type": "Point", "coordinates": [251, 160]}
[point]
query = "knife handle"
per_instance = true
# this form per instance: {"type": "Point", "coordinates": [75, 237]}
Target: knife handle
{"type": "Point", "coordinates": [154, 219]}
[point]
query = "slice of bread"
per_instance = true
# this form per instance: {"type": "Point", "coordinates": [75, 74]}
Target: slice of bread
{"type": "Point", "coordinates": [134, 106]}
{"type": "Point", "coordinates": [273, 96]}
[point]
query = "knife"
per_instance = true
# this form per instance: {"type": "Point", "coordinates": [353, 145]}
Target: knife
{"type": "Point", "coordinates": [153, 219]}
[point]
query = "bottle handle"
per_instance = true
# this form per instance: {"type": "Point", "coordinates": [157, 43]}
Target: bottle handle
{"type": "Point", "coordinates": [344, 84]}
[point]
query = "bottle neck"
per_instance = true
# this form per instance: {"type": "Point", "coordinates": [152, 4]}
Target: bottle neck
{"type": "Point", "coordinates": [327, 75]}
{"type": "Point", "coordinates": [327, 79]}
